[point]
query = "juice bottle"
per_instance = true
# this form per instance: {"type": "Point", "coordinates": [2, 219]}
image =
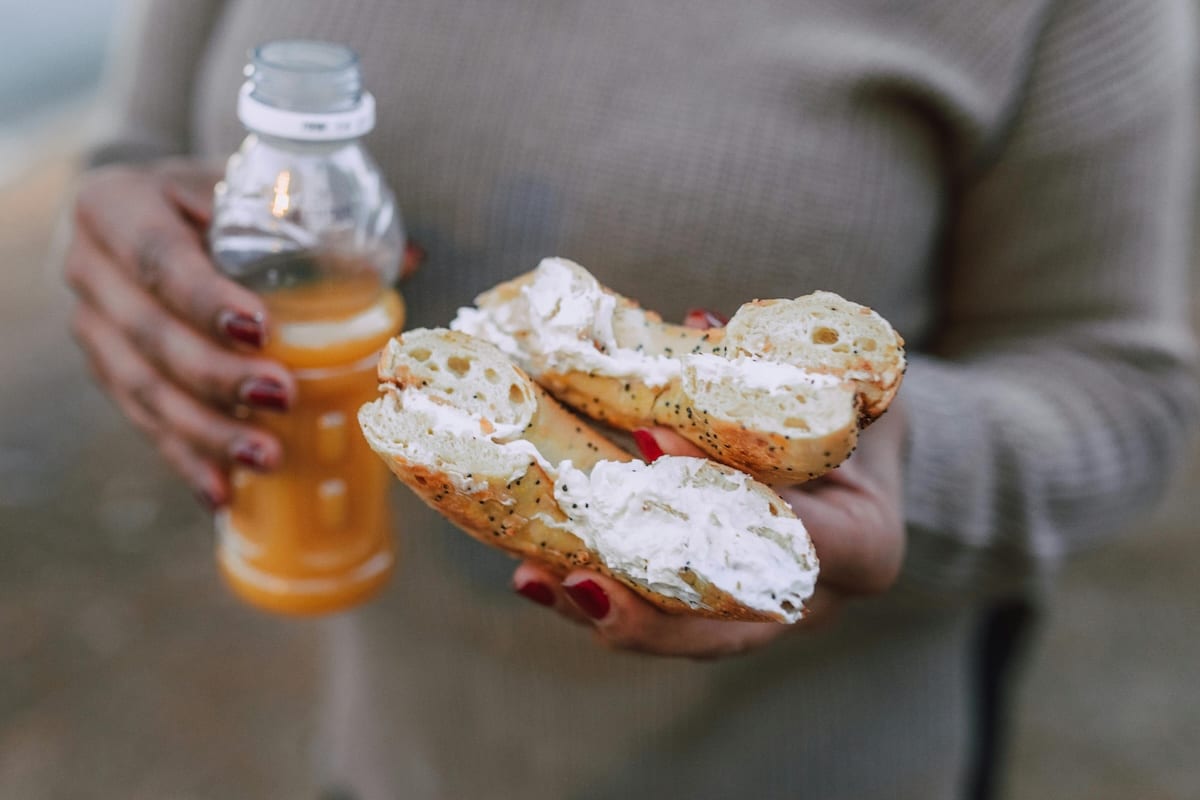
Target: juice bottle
{"type": "Point", "coordinates": [304, 218]}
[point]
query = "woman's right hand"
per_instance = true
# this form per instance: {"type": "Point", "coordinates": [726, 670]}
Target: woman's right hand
{"type": "Point", "coordinates": [171, 340]}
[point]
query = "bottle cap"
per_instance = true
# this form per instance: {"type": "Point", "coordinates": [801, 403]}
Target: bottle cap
{"type": "Point", "coordinates": [306, 126]}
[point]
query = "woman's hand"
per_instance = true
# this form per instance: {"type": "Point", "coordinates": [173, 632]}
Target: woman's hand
{"type": "Point", "coordinates": [854, 515]}
{"type": "Point", "coordinates": [167, 337]}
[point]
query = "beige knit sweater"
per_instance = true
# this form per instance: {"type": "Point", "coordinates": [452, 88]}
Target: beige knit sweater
{"type": "Point", "coordinates": [1008, 182]}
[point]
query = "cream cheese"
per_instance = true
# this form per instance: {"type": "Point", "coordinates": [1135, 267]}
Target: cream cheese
{"type": "Point", "coordinates": [655, 522]}
{"type": "Point", "coordinates": [769, 396]}
{"type": "Point", "coordinates": [445, 419]}
{"type": "Point", "coordinates": [445, 422]}
{"type": "Point", "coordinates": [492, 326]}
{"type": "Point", "coordinates": [753, 373]}
{"type": "Point", "coordinates": [562, 321]}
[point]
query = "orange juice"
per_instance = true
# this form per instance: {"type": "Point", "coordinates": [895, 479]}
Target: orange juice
{"type": "Point", "coordinates": [314, 536]}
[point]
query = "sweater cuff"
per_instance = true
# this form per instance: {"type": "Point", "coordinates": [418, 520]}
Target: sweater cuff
{"type": "Point", "coordinates": [127, 150]}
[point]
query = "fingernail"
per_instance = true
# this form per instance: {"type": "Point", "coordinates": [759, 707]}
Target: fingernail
{"type": "Point", "coordinates": [207, 499]}
{"type": "Point", "coordinates": [538, 592]}
{"type": "Point", "coordinates": [647, 444]}
{"type": "Point", "coordinates": [264, 393]}
{"type": "Point", "coordinates": [250, 454]}
{"type": "Point", "coordinates": [590, 598]}
{"type": "Point", "coordinates": [414, 257]}
{"type": "Point", "coordinates": [705, 318]}
{"type": "Point", "coordinates": [244, 328]}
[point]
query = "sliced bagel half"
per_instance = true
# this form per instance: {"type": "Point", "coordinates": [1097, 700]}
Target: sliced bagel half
{"type": "Point", "coordinates": [781, 392]}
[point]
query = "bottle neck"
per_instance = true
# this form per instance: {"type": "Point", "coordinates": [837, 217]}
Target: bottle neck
{"type": "Point", "coordinates": [304, 75]}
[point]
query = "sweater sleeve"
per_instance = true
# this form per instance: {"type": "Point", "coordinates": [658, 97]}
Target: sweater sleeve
{"type": "Point", "coordinates": [150, 79]}
{"type": "Point", "coordinates": [1052, 409]}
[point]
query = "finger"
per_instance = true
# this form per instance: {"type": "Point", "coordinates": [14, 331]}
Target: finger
{"type": "Point", "coordinates": [154, 244]}
{"type": "Point", "coordinates": [208, 482]}
{"type": "Point", "coordinates": [704, 319]}
{"type": "Point", "coordinates": [414, 257]}
{"type": "Point", "coordinates": [161, 408]}
{"type": "Point", "coordinates": [193, 361]}
{"type": "Point", "coordinates": [821, 609]}
{"type": "Point", "coordinates": [110, 368]}
{"type": "Point", "coordinates": [657, 442]}
{"type": "Point", "coordinates": [625, 621]}
{"type": "Point", "coordinates": [191, 190]}
{"type": "Point", "coordinates": [887, 435]}
{"type": "Point", "coordinates": [858, 539]}
{"type": "Point", "coordinates": [543, 586]}
{"type": "Point", "coordinates": [84, 323]}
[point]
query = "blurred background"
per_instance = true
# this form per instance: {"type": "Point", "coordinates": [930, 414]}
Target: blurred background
{"type": "Point", "coordinates": [127, 671]}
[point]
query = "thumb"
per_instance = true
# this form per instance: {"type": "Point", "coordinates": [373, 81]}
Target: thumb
{"type": "Point", "coordinates": [656, 442]}
{"type": "Point", "coordinates": [192, 193]}
{"type": "Point", "coordinates": [704, 319]}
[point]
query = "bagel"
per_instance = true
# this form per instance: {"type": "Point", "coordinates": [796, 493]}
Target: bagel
{"type": "Point", "coordinates": [781, 392]}
{"type": "Point", "coordinates": [485, 446]}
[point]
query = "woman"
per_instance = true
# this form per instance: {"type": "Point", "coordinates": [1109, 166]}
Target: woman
{"type": "Point", "coordinates": [1008, 183]}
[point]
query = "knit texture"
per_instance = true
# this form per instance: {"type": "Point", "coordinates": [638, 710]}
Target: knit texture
{"type": "Point", "coordinates": [1008, 183]}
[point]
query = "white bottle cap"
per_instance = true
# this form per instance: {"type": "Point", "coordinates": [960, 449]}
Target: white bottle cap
{"type": "Point", "coordinates": [306, 126]}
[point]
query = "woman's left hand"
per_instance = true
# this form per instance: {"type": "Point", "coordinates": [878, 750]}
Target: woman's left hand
{"type": "Point", "coordinates": [853, 514]}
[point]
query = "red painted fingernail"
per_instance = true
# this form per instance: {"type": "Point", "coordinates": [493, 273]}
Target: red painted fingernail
{"type": "Point", "coordinates": [244, 328]}
{"type": "Point", "coordinates": [646, 442]}
{"type": "Point", "coordinates": [251, 454]}
{"type": "Point", "coordinates": [264, 393]}
{"type": "Point", "coordinates": [414, 257]}
{"type": "Point", "coordinates": [208, 500]}
{"type": "Point", "coordinates": [590, 598]}
{"type": "Point", "coordinates": [538, 592]}
{"type": "Point", "coordinates": [705, 318]}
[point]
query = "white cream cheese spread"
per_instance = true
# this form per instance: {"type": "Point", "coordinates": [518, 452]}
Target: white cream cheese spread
{"type": "Point", "coordinates": [753, 373]}
{"type": "Point", "coordinates": [656, 522]}
{"type": "Point", "coordinates": [443, 424]}
{"type": "Point", "coordinates": [564, 321]}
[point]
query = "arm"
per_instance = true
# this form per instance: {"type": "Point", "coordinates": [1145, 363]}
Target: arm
{"type": "Point", "coordinates": [1063, 386]}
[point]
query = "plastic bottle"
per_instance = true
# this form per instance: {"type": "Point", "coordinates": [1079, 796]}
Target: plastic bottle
{"type": "Point", "coordinates": [305, 219]}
